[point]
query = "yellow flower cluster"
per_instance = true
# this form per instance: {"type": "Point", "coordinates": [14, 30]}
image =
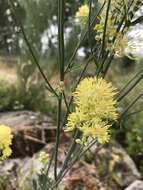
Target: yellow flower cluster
{"type": "Point", "coordinates": [114, 41]}
{"type": "Point", "coordinates": [118, 7]}
{"type": "Point", "coordinates": [82, 14]}
{"type": "Point", "coordinates": [119, 45]}
{"type": "Point", "coordinates": [5, 142]}
{"type": "Point", "coordinates": [95, 106]}
{"type": "Point", "coordinates": [111, 31]}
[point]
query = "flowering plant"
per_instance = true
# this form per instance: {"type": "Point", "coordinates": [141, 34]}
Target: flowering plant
{"type": "Point", "coordinates": [95, 106]}
{"type": "Point", "coordinates": [95, 100]}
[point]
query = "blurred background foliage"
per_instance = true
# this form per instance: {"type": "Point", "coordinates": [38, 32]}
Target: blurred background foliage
{"type": "Point", "coordinates": [28, 92]}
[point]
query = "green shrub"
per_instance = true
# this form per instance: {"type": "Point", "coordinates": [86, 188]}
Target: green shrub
{"type": "Point", "coordinates": [31, 90]}
{"type": "Point", "coordinates": [130, 132]}
{"type": "Point", "coordinates": [4, 181]}
{"type": "Point", "coordinates": [133, 127]}
{"type": "Point", "coordinates": [7, 96]}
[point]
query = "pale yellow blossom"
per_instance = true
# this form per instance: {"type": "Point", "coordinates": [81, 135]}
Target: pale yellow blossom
{"type": "Point", "coordinates": [95, 105]}
{"type": "Point", "coordinates": [5, 141]}
{"type": "Point", "coordinates": [82, 13]}
{"type": "Point", "coordinates": [115, 40]}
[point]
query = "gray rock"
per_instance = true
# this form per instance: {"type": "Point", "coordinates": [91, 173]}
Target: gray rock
{"type": "Point", "coordinates": [31, 131]}
{"type": "Point", "coordinates": [136, 185]}
{"type": "Point", "coordinates": [117, 161]}
{"type": "Point", "coordinates": [19, 173]}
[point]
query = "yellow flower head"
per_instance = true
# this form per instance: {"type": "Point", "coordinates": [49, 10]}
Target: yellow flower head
{"type": "Point", "coordinates": [5, 142]}
{"type": "Point", "coordinates": [95, 98]}
{"type": "Point", "coordinates": [82, 13]}
{"type": "Point", "coordinates": [115, 39]}
{"type": "Point", "coordinates": [98, 131]}
{"type": "Point", "coordinates": [94, 107]}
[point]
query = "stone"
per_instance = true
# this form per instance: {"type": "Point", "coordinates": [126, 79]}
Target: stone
{"type": "Point", "coordinates": [19, 173]}
{"type": "Point", "coordinates": [136, 185]}
{"type": "Point", "coordinates": [116, 162]}
{"type": "Point", "coordinates": [31, 131]}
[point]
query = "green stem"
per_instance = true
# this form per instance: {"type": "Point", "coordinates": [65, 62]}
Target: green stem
{"type": "Point", "coordinates": [61, 7]}
{"type": "Point", "coordinates": [66, 103]}
{"type": "Point", "coordinates": [99, 69]}
{"type": "Point", "coordinates": [130, 81]}
{"type": "Point", "coordinates": [50, 163]}
{"type": "Point", "coordinates": [70, 63]}
{"type": "Point", "coordinates": [108, 65]}
{"type": "Point", "coordinates": [133, 113]}
{"type": "Point", "coordinates": [123, 114]}
{"type": "Point", "coordinates": [105, 28]}
{"type": "Point", "coordinates": [120, 97]}
{"type": "Point", "coordinates": [61, 10]}
{"type": "Point", "coordinates": [57, 136]}
{"type": "Point", "coordinates": [70, 152]}
{"type": "Point", "coordinates": [71, 99]}
{"type": "Point", "coordinates": [78, 81]}
{"type": "Point", "coordinates": [89, 32]}
{"type": "Point", "coordinates": [80, 154]}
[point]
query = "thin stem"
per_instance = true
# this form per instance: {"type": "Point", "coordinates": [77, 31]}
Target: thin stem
{"type": "Point", "coordinates": [87, 148]}
{"type": "Point", "coordinates": [71, 99]}
{"type": "Point", "coordinates": [81, 153]}
{"type": "Point", "coordinates": [99, 69]}
{"type": "Point", "coordinates": [123, 114]}
{"type": "Point", "coordinates": [133, 113]}
{"type": "Point", "coordinates": [89, 24]}
{"type": "Point", "coordinates": [120, 97]}
{"type": "Point", "coordinates": [66, 103]}
{"type": "Point", "coordinates": [61, 9]}
{"type": "Point", "coordinates": [78, 81]}
{"type": "Point", "coordinates": [65, 172]}
{"type": "Point", "coordinates": [107, 53]}
{"type": "Point", "coordinates": [105, 28]}
{"type": "Point", "coordinates": [70, 152]}
{"type": "Point", "coordinates": [137, 21]}
{"type": "Point", "coordinates": [50, 163]}
{"type": "Point", "coordinates": [89, 31]}
{"type": "Point", "coordinates": [70, 63]}
{"type": "Point", "coordinates": [57, 136]}
{"type": "Point", "coordinates": [108, 65]}
{"type": "Point", "coordinates": [130, 81]}
{"type": "Point", "coordinates": [30, 48]}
